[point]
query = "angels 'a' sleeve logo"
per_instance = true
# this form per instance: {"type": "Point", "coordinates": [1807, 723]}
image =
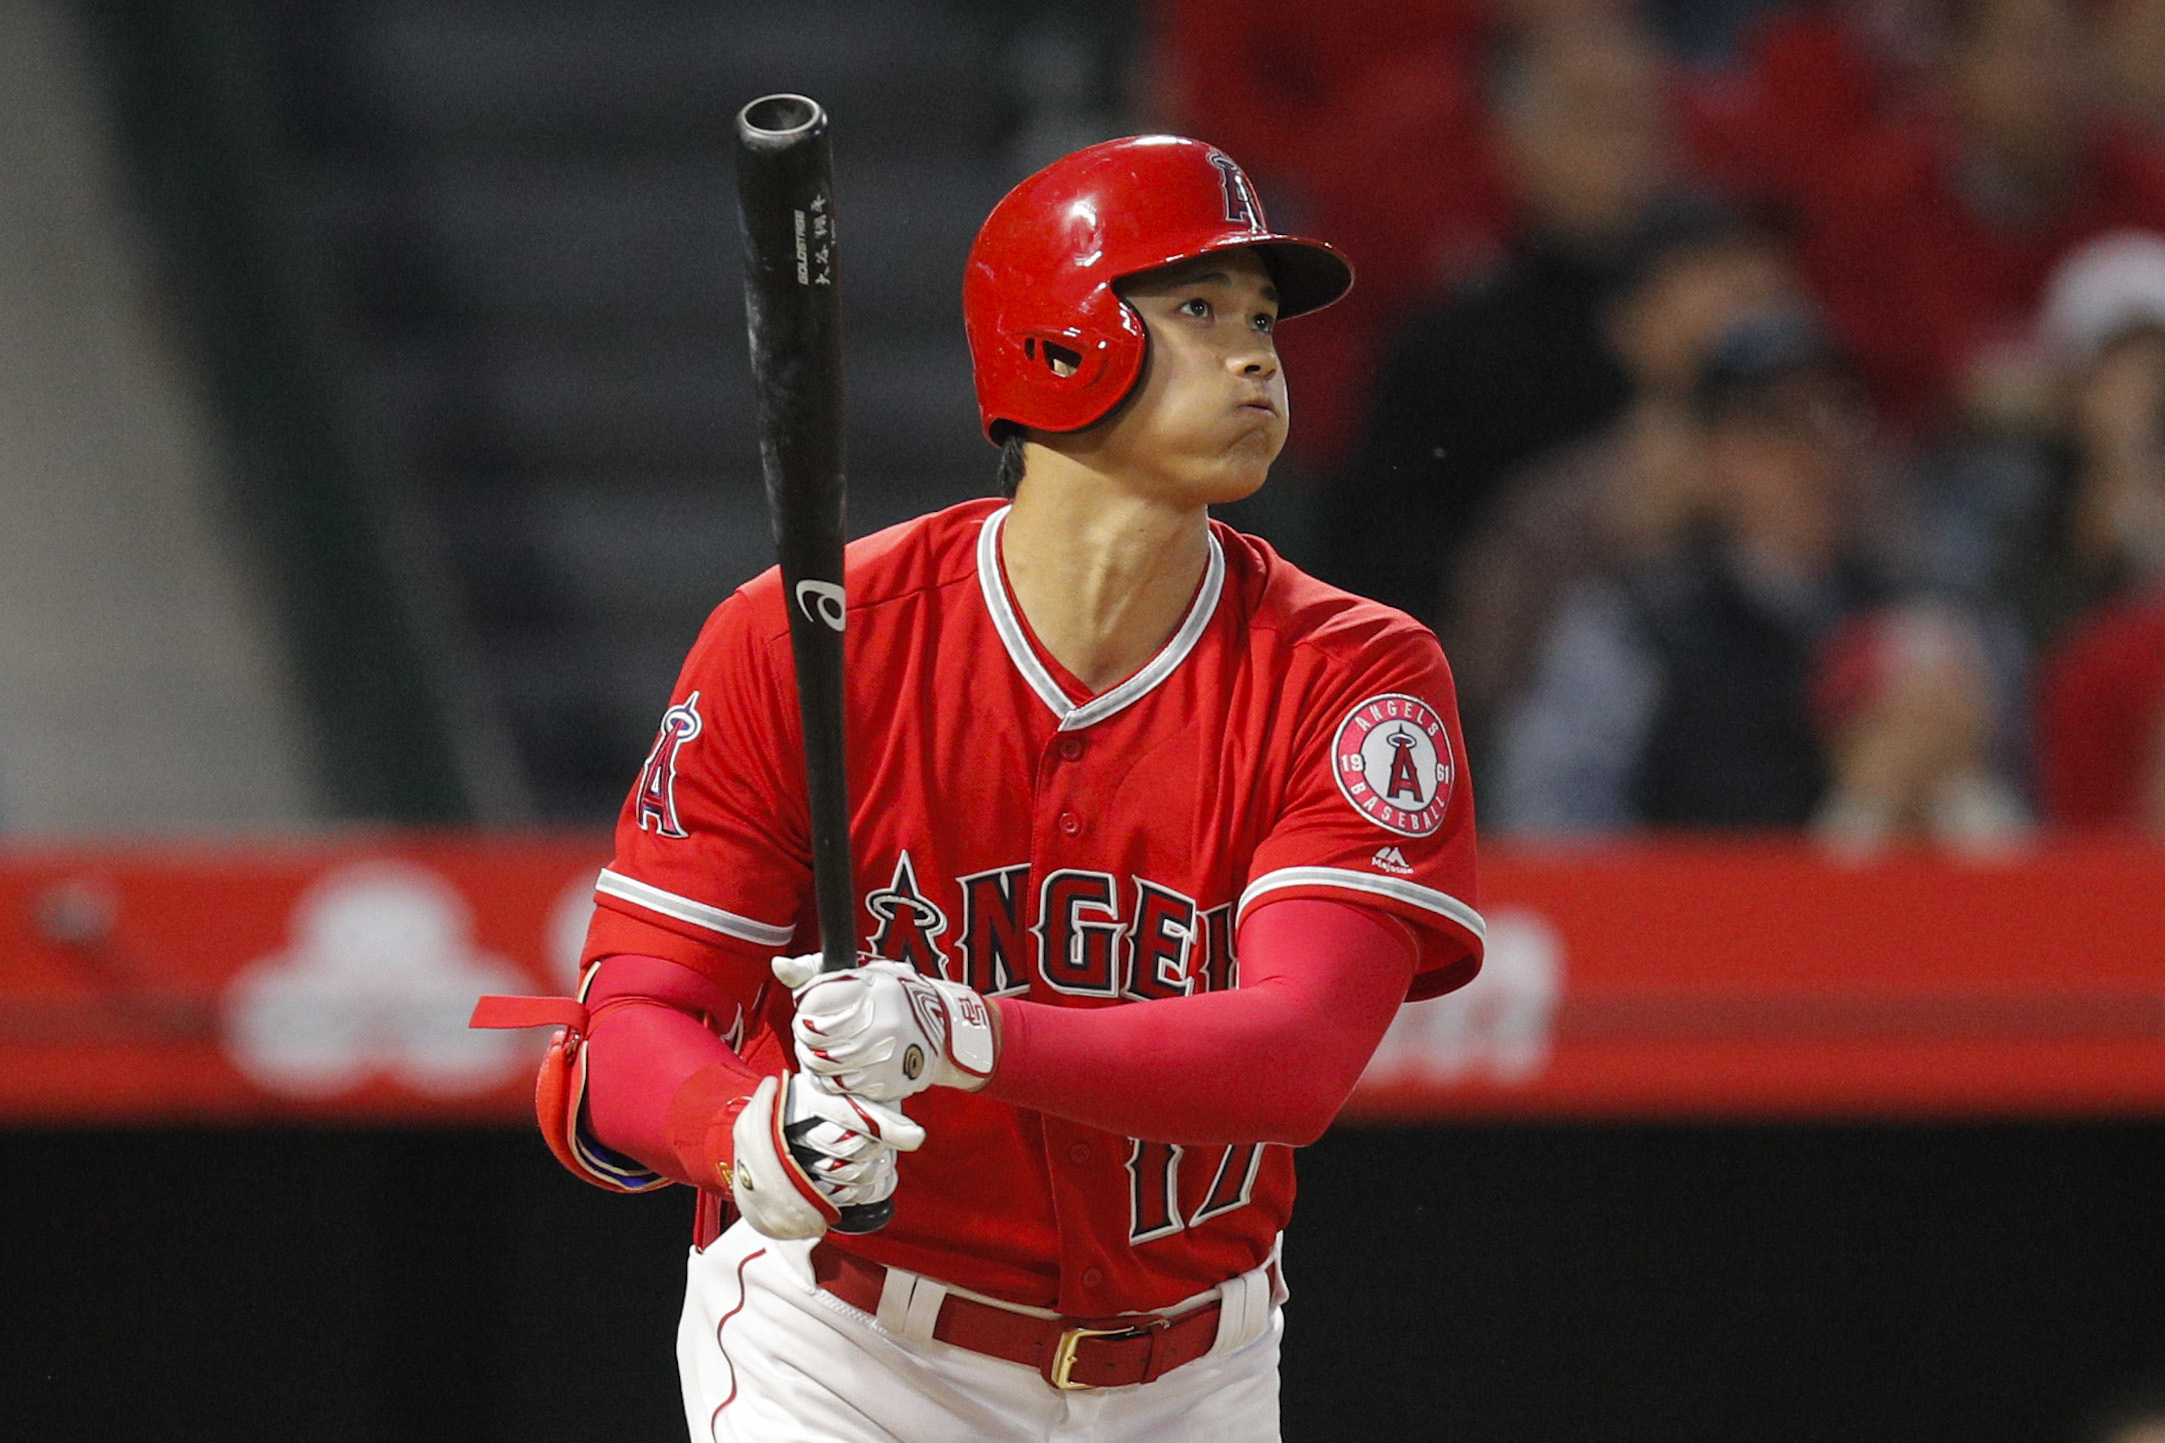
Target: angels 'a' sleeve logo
{"type": "Point", "coordinates": [657, 791]}
{"type": "Point", "coordinates": [1392, 758]}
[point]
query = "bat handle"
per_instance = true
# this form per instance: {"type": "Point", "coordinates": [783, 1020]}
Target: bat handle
{"type": "Point", "coordinates": [857, 1217]}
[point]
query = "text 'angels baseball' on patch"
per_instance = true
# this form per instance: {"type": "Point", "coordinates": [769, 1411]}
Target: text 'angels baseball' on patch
{"type": "Point", "coordinates": [1393, 761]}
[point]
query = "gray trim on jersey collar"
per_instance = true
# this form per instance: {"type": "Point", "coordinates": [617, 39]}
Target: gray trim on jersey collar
{"type": "Point", "coordinates": [1017, 641]}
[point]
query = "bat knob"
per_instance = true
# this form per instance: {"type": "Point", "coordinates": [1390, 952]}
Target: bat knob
{"type": "Point", "coordinates": [866, 1217]}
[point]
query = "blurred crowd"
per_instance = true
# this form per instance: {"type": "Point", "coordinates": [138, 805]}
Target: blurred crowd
{"type": "Point", "coordinates": [1765, 403]}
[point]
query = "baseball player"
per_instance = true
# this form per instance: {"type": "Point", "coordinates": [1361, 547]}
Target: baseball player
{"type": "Point", "coordinates": [1154, 834]}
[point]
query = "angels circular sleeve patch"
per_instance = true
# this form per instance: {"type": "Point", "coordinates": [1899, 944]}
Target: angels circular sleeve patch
{"type": "Point", "coordinates": [1392, 758]}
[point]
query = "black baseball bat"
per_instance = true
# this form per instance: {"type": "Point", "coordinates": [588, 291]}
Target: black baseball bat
{"type": "Point", "coordinates": [793, 316]}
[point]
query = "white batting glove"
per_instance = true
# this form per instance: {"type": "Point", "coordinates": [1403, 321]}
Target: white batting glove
{"type": "Point", "coordinates": [803, 1154]}
{"type": "Point", "coordinates": [884, 1031]}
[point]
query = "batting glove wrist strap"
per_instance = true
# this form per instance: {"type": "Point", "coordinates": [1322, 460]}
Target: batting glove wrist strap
{"type": "Point", "coordinates": [884, 1031]}
{"type": "Point", "coordinates": [702, 1120]}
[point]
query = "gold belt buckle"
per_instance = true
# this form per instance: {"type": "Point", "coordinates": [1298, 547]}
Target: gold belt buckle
{"type": "Point", "coordinates": [1063, 1356]}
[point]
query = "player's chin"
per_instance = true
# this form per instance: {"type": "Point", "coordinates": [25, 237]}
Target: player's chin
{"type": "Point", "coordinates": [1228, 466]}
{"type": "Point", "coordinates": [1247, 461]}
{"type": "Point", "coordinates": [1237, 477]}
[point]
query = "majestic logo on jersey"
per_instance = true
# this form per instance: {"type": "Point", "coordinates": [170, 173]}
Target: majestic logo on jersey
{"type": "Point", "coordinates": [1393, 761]}
{"type": "Point", "coordinates": [910, 923]}
{"type": "Point", "coordinates": [1390, 859]}
{"type": "Point", "coordinates": [657, 791]}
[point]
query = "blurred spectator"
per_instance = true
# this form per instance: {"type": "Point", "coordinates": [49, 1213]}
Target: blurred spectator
{"type": "Point", "coordinates": [1683, 693]}
{"type": "Point", "coordinates": [1813, 83]}
{"type": "Point", "coordinates": [1903, 701]}
{"type": "Point", "coordinates": [2001, 502]}
{"type": "Point", "coordinates": [1933, 243]}
{"type": "Point", "coordinates": [1985, 503]}
{"type": "Point", "coordinates": [1706, 34]}
{"type": "Point", "coordinates": [2130, 38]}
{"type": "Point", "coordinates": [1363, 122]}
{"type": "Point", "coordinates": [1518, 362]}
{"type": "Point", "coordinates": [2101, 706]}
{"type": "Point", "coordinates": [1626, 495]}
{"type": "Point", "coordinates": [1270, 80]}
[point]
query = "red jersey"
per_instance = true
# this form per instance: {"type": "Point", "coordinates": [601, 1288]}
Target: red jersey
{"type": "Point", "coordinates": [2101, 715]}
{"type": "Point", "coordinates": [1011, 831]}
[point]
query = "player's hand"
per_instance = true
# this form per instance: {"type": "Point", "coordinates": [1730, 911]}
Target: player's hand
{"type": "Point", "coordinates": [884, 1031]}
{"type": "Point", "coordinates": [804, 1153]}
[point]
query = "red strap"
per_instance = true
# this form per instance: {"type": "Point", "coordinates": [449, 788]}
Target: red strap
{"type": "Point", "coordinates": [529, 1012]}
{"type": "Point", "coordinates": [557, 1087]}
{"type": "Point", "coordinates": [711, 1218]}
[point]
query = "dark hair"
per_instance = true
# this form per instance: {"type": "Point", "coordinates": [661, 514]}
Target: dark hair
{"type": "Point", "coordinates": [1010, 460]}
{"type": "Point", "coordinates": [1963, 23]}
{"type": "Point", "coordinates": [1690, 223]}
{"type": "Point", "coordinates": [1753, 357]}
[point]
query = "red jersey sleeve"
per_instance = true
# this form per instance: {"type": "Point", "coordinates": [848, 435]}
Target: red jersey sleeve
{"type": "Point", "coordinates": [1377, 807]}
{"type": "Point", "coordinates": [712, 867]}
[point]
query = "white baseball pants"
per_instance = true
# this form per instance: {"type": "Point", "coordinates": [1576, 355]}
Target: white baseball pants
{"type": "Point", "coordinates": [766, 1356]}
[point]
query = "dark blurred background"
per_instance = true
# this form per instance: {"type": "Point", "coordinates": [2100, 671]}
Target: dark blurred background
{"type": "Point", "coordinates": [1498, 1284]}
{"type": "Point", "coordinates": [1764, 400]}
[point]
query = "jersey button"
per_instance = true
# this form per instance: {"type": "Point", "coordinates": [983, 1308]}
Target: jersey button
{"type": "Point", "coordinates": [1080, 1152]}
{"type": "Point", "coordinates": [1070, 824]}
{"type": "Point", "coordinates": [1071, 748]}
{"type": "Point", "coordinates": [1092, 1277]}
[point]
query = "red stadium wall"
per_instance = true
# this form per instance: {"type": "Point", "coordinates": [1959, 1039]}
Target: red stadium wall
{"type": "Point", "coordinates": [1722, 981]}
{"type": "Point", "coordinates": [330, 980]}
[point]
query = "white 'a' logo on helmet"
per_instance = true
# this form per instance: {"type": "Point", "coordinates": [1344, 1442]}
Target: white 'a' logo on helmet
{"type": "Point", "coordinates": [1240, 204]}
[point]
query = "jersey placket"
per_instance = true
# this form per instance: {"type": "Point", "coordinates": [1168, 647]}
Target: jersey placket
{"type": "Point", "coordinates": [1080, 937]}
{"type": "Point", "coordinates": [1081, 928]}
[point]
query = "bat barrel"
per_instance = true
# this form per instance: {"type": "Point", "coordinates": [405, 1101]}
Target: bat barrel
{"type": "Point", "coordinates": [785, 191]}
{"type": "Point", "coordinates": [793, 314]}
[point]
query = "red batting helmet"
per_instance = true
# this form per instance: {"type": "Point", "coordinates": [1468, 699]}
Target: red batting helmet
{"type": "Point", "coordinates": [1054, 348]}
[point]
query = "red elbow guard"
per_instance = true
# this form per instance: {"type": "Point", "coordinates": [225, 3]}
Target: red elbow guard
{"type": "Point", "coordinates": [560, 1088]}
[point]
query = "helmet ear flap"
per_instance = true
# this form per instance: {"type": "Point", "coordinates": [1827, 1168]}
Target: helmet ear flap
{"type": "Point", "coordinates": [1064, 359]}
{"type": "Point", "coordinates": [1064, 377]}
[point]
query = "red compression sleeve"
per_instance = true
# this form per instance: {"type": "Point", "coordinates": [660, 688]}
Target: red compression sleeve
{"type": "Point", "coordinates": [1270, 1061]}
{"type": "Point", "coordinates": [661, 1086]}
